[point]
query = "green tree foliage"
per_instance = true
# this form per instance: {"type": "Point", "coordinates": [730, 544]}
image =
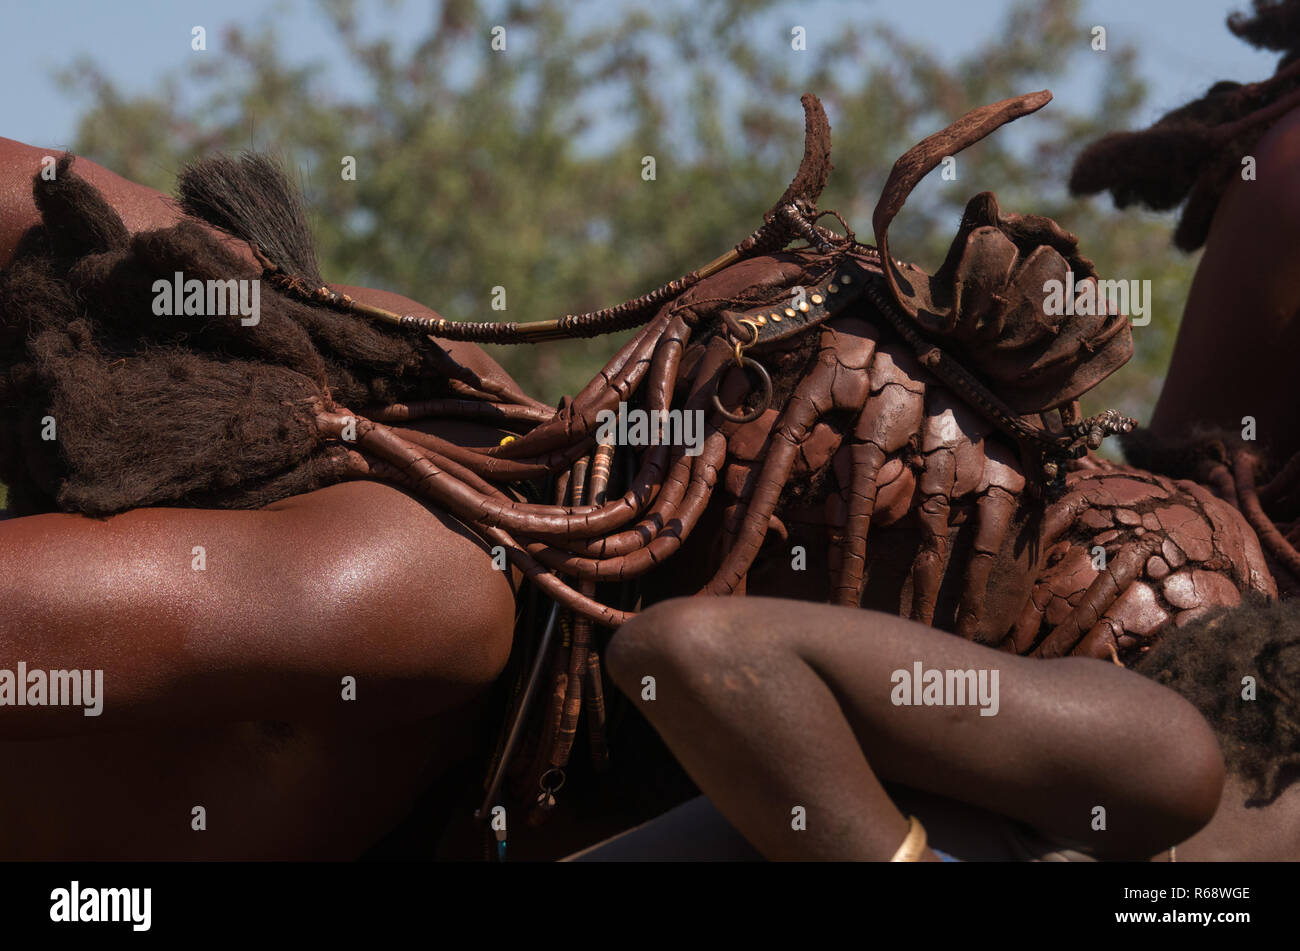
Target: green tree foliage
{"type": "Point", "coordinates": [522, 168]}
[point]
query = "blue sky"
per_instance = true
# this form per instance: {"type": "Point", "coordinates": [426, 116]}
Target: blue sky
{"type": "Point", "coordinates": [1182, 44]}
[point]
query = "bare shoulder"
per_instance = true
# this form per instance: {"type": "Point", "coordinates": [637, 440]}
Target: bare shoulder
{"type": "Point", "coordinates": [424, 585]}
{"type": "Point", "coordinates": [373, 537]}
{"type": "Point", "coordinates": [1279, 148]}
{"type": "Point", "coordinates": [140, 208]}
{"type": "Point", "coordinates": [215, 605]}
{"type": "Point", "coordinates": [360, 571]}
{"type": "Point", "coordinates": [1260, 209]}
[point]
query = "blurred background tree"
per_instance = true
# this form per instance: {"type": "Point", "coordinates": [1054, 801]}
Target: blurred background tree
{"type": "Point", "coordinates": [522, 168]}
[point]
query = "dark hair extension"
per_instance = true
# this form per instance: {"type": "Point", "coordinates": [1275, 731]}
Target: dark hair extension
{"type": "Point", "coordinates": [1206, 662]}
{"type": "Point", "coordinates": [1180, 160]}
{"type": "Point", "coordinates": [251, 197]}
{"type": "Point", "coordinates": [1273, 25]}
{"type": "Point", "coordinates": [174, 410]}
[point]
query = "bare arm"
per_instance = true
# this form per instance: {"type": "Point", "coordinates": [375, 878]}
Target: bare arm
{"type": "Point", "coordinates": [354, 580]}
{"type": "Point", "coordinates": [773, 704]}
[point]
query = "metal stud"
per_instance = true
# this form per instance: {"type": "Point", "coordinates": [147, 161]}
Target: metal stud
{"type": "Point", "coordinates": [817, 298]}
{"type": "Point", "coordinates": [845, 279]}
{"type": "Point", "coordinates": [776, 318]}
{"type": "Point", "coordinates": [789, 311]}
{"type": "Point", "coordinates": [803, 307]}
{"type": "Point", "coordinates": [832, 289]}
{"type": "Point", "coordinates": [760, 320]}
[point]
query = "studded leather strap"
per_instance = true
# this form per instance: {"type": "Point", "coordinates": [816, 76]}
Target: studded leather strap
{"type": "Point", "coordinates": [797, 313]}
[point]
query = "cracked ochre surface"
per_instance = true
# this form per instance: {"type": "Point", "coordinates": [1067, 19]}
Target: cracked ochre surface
{"type": "Point", "coordinates": [1172, 551]}
{"type": "Point", "coordinates": [899, 473]}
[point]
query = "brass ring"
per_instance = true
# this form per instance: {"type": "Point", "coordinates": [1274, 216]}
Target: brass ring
{"type": "Point", "coordinates": [741, 347]}
{"type": "Point", "coordinates": [765, 383]}
{"type": "Point", "coordinates": [552, 790]}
